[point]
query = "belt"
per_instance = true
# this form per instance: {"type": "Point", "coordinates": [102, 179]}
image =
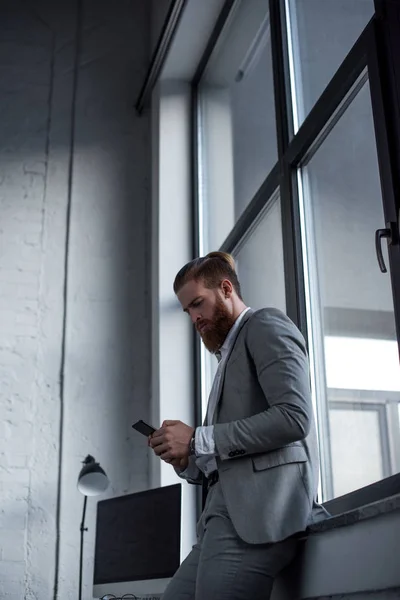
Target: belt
{"type": "Point", "coordinates": [212, 479]}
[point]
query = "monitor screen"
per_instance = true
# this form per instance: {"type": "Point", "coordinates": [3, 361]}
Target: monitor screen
{"type": "Point", "coordinates": [138, 536]}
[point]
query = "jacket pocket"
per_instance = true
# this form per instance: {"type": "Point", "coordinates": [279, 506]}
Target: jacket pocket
{"type": "Point", "coordinates": [276, 458]}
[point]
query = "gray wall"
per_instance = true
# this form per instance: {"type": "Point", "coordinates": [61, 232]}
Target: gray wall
{"type": "Point", "coordinates": [353, 556]}
{"type": "Point", "coordinates": [103, 382]}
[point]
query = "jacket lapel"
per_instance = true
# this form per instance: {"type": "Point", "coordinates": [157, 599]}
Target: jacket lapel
{"type": "Point", "coordinates": [246, 317]}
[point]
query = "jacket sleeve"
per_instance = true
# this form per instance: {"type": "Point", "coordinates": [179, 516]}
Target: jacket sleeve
{"type": "Point", "coordinates": [192, 473]}
{"type": "Point", "coordinates": [278, 352]}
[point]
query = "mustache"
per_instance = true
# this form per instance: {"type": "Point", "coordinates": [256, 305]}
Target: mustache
{"type": "Point", "coordinates": [200, 324]}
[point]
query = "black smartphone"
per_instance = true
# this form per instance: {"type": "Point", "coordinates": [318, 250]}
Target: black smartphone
{"type": "Point", "coordinates": [143, 428]}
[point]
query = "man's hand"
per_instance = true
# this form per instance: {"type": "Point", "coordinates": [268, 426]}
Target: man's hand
{"type": "Point", "coordinates": [171, 441]}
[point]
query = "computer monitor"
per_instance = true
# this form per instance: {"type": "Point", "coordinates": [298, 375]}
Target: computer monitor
{"type": "Point", "coordinates": [138, 539]}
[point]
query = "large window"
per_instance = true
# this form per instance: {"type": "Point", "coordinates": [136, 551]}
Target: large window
{"type": "Point", "coordinates": [296, 189]}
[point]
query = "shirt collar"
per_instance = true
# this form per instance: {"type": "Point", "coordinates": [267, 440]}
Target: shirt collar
{"type": "Point", "coordinates": [228, 340]}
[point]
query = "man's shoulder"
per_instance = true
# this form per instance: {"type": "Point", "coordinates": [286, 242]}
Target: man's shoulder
{"type": "Point", "coordinates": [271, 316]}
{"type": "Point", "coordinates": [272, 321]}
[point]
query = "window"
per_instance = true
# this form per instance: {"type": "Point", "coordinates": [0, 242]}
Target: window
{"type": "Point", "coordinates": [359, 445]}
{"type": "Point", "coordinates": [351, 305]}
{"type": "Point", "coordinates": [259, 259]}
{"type": "Point", "coordinates": [321, 33]}
{"type": "Point", "coordinates": [261, 272]}
{"type": "Point", "coordinates": [237, 135]}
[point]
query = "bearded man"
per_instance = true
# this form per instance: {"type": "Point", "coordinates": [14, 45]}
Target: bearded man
{"type": "Point", "coordinates": [257, 448]}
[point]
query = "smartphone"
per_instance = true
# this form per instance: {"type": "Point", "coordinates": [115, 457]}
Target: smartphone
{"type": "Point", "coordinates": [143, 428]}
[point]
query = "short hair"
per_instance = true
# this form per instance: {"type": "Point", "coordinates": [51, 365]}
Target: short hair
{"type": "Point", "coordinates": [211, 269]}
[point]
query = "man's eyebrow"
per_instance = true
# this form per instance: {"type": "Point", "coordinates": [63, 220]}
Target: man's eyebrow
{"type": "Point", "coordinates": [191, 303]}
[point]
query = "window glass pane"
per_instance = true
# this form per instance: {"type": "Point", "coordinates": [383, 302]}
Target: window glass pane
{"type": "Point", "coordinates": [321, 34]}
{"type": "Point", "coordinates": [362, 364]}
{"type": "Point", "coordinates": [352, 333]}
{"type": "Point", "coordinates": [260, 264]}
{"type": "Point", "coordinates": [356, 448]}
{"type": "Point", "coordinates": [260, 268]}
{"type": "Point", "coordinates": [237, 132]}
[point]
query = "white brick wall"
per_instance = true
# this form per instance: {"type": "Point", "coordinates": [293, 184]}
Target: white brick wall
{"type": "Point", "coordinates": [107, 380]}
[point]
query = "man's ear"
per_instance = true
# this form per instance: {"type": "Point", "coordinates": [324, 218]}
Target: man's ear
{"type": "Point", "coordinates": [227, 288]}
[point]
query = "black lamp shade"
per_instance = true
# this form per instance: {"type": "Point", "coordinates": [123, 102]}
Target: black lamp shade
{"type": "Point", "coordinates": [92, 479]}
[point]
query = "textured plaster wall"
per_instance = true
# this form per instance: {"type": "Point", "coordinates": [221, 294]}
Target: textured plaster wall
{"type": "Point", "coordinates": [74, 277]}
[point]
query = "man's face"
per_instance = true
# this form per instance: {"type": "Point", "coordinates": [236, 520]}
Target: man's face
{"type": "Point", "coordinates": [209, 312]}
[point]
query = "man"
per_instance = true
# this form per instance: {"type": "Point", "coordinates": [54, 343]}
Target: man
{"type": "Point", "coordinates": [257, 447]}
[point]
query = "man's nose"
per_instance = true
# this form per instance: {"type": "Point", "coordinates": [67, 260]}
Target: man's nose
{"type": "Point", "coordinates": [195, 318]}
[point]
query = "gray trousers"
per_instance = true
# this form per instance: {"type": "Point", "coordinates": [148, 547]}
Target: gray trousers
{"type": "Point", "coordinates": [222, 566]}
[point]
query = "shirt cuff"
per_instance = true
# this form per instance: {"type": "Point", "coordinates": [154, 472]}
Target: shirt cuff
{"type": "Point", "coordinates": [204, 441]}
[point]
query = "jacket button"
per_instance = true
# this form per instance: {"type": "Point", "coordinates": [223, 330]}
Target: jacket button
{"type": "Point", "coordinates": [242, 452]}
{"type": "Point", "coordinates": [231, 454]}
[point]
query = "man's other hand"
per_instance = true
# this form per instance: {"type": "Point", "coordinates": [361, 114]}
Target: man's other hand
{"type": "Point", "coordinates": [171, 441]}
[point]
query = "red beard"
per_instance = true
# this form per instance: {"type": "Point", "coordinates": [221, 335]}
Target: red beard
{"type": "Point", "coordinates": [217, 328]}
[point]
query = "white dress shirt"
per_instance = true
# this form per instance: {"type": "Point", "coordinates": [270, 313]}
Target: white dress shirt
{"type": "Point", "coordinates": [204, 436]}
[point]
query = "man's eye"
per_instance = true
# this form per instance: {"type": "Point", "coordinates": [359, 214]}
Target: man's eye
{"type": "Point", "coordinates": [196, 304]}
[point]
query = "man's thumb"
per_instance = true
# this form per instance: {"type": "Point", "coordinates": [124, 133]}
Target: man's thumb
{"type": "Point", "coordinates": [168, 423]}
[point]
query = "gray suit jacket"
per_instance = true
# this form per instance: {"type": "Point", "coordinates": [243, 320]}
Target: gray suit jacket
{"type": "Point", "coordinates": [264, 431]}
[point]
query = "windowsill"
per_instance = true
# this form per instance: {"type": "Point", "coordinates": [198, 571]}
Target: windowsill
{"type": "Point", "coordinates": [380, 490]}
{"type": "Point", "coordinates": [368, 511]}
